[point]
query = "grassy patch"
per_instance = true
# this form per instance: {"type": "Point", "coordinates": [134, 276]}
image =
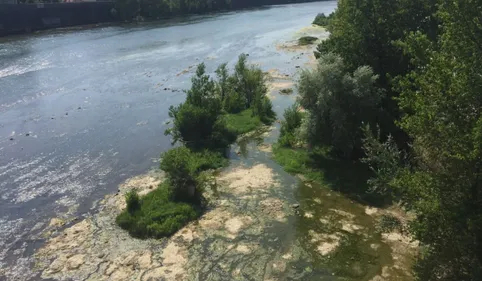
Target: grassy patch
{"type": "Point", "coordinates": [320, 166]}
{"type": "Point", "coordinates": [287, 91]}
{"type": "Point", "coordinates": [243, 122]}
{"type": "Point", "coordinates": [157, 216]}
{"type": "Point", "coordinates": [307, 40]}
{"type": "Point", "coordinates": [297, 161]}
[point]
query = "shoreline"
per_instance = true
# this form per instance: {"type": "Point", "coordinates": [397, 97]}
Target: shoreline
{"type": "Point", "coordinates": [229, 241]}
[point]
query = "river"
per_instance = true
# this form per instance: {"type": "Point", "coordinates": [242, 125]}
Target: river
{"type": "Point", "coordinates": [84, 109]}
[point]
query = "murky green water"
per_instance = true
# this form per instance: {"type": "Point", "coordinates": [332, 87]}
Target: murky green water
{"type": "Point", "coordinates": [328, 237]}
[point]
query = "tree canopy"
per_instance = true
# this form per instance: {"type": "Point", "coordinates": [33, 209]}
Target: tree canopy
{"type": "Point", "coordinates": [424, 142]}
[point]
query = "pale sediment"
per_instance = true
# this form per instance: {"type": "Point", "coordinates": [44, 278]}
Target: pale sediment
{"type": "Point", "coordinates": [97, 249]}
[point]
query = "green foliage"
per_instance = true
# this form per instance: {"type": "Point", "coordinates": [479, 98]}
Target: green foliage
{"type": "Point", "coordinates": [291, 123]}
{"type": "Point", "coordinates": [157, 216]}
{"type": "Point", "coordinates": [164, 8]}
{"type": "Point", "coordinates": [249, 81]}
{"type": "Point", "coordinates": [245, 89]}
{"type": "Point", "coordinates": [197, 122]}
{"type": "Point", "coordinates": [263, 108]}
{"type": "Point", "coordinates": [442, 106]}
{"type": "Point", "coordinates": [384, 159]}
{"type": "Point", "coordinates": [200, 123]}
{"type": "Point", "coordinates": [223, 84]}
{"type": "Point", "coordinates": [320, 166]}
{"type": "Point", "coordinates": [298, 161]}
{"type": "Point", "coordinates": [132, 201]}
{"type": "Point", "coordinates": [338, 104]}
{"type": "Point", "coordinates": [182, 168]}
{"type": "Point", "coordinates": [389, 223]}
{"type": "Point", "coordinates": [444, 117]}
{"type": "Point", "coordinates": [307, 40]}
{"type": "Point", "coordinates": [242, 122]}
{"type": "Point", "coordinates": [234, 102]}
{"type": "Point", "coordinates": [323, 20]}
{"type": "Point", "coordinates": [363, 32]}
{"type": "Point", "coordinates": [370, 32]}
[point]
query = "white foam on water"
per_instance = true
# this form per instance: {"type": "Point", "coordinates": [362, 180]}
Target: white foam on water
{"type": "Point", "coordinates": [19, 69]}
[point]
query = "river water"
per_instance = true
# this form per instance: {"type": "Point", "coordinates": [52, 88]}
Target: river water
{"type": "Point", "coordinates": [81, 110]}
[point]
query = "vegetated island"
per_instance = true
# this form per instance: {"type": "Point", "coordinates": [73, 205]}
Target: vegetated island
{"type": "Point", "coordinates": [214, 114]}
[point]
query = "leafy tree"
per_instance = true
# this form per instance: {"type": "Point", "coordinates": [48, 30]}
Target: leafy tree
{"type": "Point", "coordinates": [223, 84]}
{"type": "Point", "coordinates": [197, 122]}
{"type": "Point", "coordinates": [368, 32]}
{"type": "Point", "coordinates": [323, 20]}
{"type": "Point", "coordinates": [184, 168]}
{"type": "Point", "coordinates": [338, 103]}
{"type": "Point", "coordinates": [132, 201]}
{"type": "Point", "coordinates": [384, 159]}
{"type": "Point", "coordinates": [181, 167]}
{"type": "Point", "coordinates": [249, 81]}
{"type": "Point", "coordinates": [442, 108]}
{"type": "Point", "coordinates": [292, 121]}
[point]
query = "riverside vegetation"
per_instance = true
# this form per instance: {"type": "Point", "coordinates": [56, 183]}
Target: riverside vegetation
{"type": "Point", "coordinates": [394, 103]}
{"type": "Point", "coordinates": [155, 9]}
{"type": "Point", "coordinates": [214, 114]}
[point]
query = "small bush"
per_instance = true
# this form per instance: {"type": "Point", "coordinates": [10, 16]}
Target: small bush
{"type": "Point", "coordinates": [265, 111]}
{"type": "Point", "coordinates": [292, 121]}
{"type": "Point", "coordinates": [157, 216]}
{"type": "Point", "coordinates": [182, 167]}
{"type": "Point", "coordinates": [197, 122]}
{"type": "Point", "coordinates": [307, 40]}
{"type": "Point", "coordinates": [133, 201]}
{"type": "Point", "coordinates": [389, 223]}
{"type": "Point", "coordinates": [323, 20]}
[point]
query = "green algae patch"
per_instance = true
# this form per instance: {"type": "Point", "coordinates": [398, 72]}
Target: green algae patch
{"type": "Point", "coordinates": [307, 40]}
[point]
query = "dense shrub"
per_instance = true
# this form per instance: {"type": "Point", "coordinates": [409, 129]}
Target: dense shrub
{"type": "Point", "coordinates": [244, 89]}
{"type": "Point", "coordinates": [263, 108]}
{"type": "Point", "coordinates": [182, 168]}
{"type": "Point", "coordinates": [157, 216]}
{"type": "Point", "coordinates": [338, 102]}
{"type": "Point", "coordinates": [323, 20]}
{"type": "Point", "coordinates": [234, 102]}
{"type": "Point", "coordinates": [133, 202]}
{"type": "Point", "coordinates": [292, 121]}
{"type": "Point", "coordinates": [197, 122]}
{"type": "Point", "coordinates": [428, 56]}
